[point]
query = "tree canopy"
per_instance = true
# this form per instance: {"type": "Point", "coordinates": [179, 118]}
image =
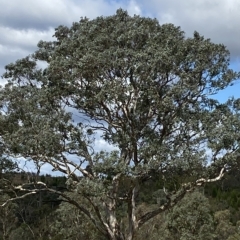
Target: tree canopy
{"type": "Point", "coordinates": [146, 91]}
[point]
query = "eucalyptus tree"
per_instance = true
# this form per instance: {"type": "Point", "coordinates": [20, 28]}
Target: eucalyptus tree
{"type": "Point", "coordinates": [142, 88]}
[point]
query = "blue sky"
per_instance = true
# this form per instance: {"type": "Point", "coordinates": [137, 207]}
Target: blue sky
{"type": "Point", "coordinates": [23, 23]}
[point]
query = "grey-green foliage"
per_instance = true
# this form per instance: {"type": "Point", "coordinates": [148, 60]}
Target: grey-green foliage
{"type": "Point", "coordinates": [224, 228]}
{"type": "Point", "coordinates": [21, 232]}
{"type": "Point", "coordinates": [143, 87]}
{"type": "Point", "coordinates": [191, 218]}
{"type": "Point", "coordinates": [69, 223]}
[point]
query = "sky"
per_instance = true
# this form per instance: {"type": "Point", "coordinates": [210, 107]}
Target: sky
{"type": "Point", "coordinates": [24, 23]}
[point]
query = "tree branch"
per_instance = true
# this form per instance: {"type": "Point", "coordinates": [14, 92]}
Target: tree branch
{"type": "Point", "coordinates": [69, 199]}
{"type": "Point", "coordinates": [172, 201]}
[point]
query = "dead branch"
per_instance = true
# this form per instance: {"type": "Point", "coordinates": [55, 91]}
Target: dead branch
{"type": "Point", "coordinates": [200, 181]}
{"type": "Point", "coordinates": [173, 200]}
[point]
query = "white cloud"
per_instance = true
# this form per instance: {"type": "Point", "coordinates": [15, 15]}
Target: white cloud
{"type": "Point", "coordinates": [16, 44]}
{"type": "Point", "coordinates": [101, 145]}
{"type": "Point", "coordinates": [42, 13]}
{"type": "Point", "coordinates": [134, 8]}
{"type": "Point", "coordinates": [215, 19]}
{"type": "Point", "coordinates": [25, 38]}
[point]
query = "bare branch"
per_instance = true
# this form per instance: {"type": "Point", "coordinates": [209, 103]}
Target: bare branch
{"type": "Point", "coordinates": [173, 200]}
{"type": "Point", "coordinates": [63, 195]}
{"type": "Point", "coordinates": [16, 198]}
{"type": "Point", "coordinates": [200, 181]}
